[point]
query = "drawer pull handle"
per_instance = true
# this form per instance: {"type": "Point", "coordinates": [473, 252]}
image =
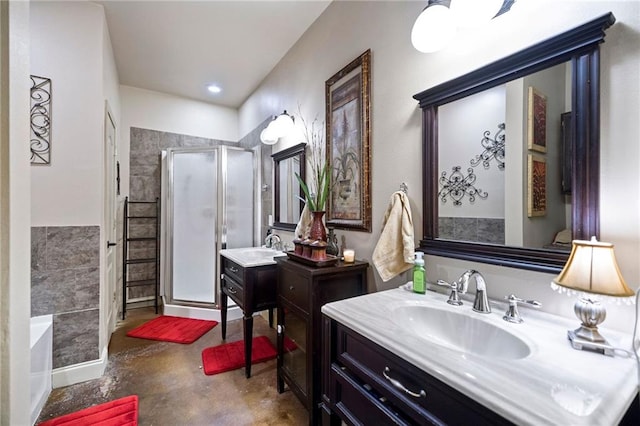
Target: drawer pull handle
{"type": "Point", "coordinates": [291, 287]}
{"type": "Point", "coordinates": [233, 269]}
{"type": "Point", "coordinates": [401, 387]}
{"type": "Point", "coordinates": [232, 290]}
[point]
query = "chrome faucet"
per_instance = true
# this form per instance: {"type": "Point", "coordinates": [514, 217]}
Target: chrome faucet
{"type": "Point", "coordinates": [273, 241]}
{"type": "Point", "coordinates": [480, 304]}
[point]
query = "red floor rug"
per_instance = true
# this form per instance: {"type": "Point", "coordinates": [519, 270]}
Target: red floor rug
{"type": "Point", "coordinates": [230, 356]}
{"type": "Point", "coordinates": [173, 329]}
{"type": "Point", "coordinates": [121, 412]}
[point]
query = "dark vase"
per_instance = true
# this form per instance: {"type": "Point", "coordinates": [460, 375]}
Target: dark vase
{"type": "Point", "coordinates": [317, 231]}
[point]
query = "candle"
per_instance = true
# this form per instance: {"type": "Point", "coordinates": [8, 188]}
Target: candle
{"type": "Point", "coordinates": [349, 255]}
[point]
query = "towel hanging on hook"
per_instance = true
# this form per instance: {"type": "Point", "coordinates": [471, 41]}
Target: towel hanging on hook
{"type": "Point", "coordinates": [394, 251]}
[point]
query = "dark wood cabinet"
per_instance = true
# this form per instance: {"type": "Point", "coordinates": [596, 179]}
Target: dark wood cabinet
{"type": "Point", "coordinates": [254, 290]}
{"type": "Point", "coordinates": [302, 290]}
{"type": "Point", "coordinates": [364, 383]}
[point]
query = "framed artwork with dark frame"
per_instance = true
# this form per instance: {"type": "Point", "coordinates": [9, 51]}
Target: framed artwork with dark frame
{"type": "Point", "coordinates": [537, 121]}
{"type": "Point", "coordinates": [536, 186]}
{"type": "Point", "coordinates": [348, 151]}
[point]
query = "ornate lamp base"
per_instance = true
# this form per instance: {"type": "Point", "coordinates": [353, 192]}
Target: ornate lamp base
{"type": "Point", "coordinates": [579, 343]}
{"type": "Point", "coordinates": [586, 337]}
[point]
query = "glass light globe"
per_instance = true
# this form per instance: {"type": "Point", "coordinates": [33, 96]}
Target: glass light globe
{"type": "Point", "coordinates": [474, 13]}
{"type": "Point", "coordinates": [434, 29]}
{"type": "Point", "coordinates": [283, 124]}
{"type": "Point", "coordinates": [268, 135]}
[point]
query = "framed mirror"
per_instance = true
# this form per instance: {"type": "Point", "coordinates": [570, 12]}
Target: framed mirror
{"type": "Point", "coordinates": [495, 151]}
{"type": "Point", "coordinates": [287, 193]}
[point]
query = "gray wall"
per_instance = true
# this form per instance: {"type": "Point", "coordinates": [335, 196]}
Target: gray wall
{"type": "Point", "coordinates": [251, 140]}
{"type": "Point", "coordinates": [65, 282]}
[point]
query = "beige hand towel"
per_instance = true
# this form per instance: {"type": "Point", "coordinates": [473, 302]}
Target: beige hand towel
{"type": "Point", "coordinates": [395, 249]}
{"type": "Point", "coordinates": [304, 224]}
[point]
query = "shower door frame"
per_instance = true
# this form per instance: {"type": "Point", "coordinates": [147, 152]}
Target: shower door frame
{"type": "Point", "coordinates": [220, 233]}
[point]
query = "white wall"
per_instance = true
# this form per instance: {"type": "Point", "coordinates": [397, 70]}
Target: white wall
{"type": "Point", "coordinates": [68, 192]}
{"type": "Point", "coordinates": [464, 122]}
{"type": "Point", "coordinates": [346, 29]}
{"type": "Point", "coordinates": [15, 249]}
{"type": "Point", "coordinates": [111, 96]}
{"type": "Point", "coordinates": [167, 113]}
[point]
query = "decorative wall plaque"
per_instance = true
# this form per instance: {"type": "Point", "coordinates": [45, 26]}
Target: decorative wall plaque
{"type": "Point", "coordinates": [40, 120]}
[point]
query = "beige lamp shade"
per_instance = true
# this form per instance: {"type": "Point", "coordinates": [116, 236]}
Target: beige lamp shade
{"type": "Point", "coordinates": [592, 268]}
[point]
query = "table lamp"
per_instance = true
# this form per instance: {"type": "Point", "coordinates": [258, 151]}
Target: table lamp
{"type": "Point", "coordinates": [591, 269]}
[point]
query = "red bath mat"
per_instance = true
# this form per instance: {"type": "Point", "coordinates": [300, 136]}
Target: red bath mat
{"type": "Point", "coordinates": [230, 356]}
{"type": "Point", "coordinates": [121, 412]}
{"type": "Point", "coordinates": [173, 329]}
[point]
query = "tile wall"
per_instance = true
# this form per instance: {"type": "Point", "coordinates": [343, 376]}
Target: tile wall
{"type": "Point", "coordinates": [65, 282]}
{"type": "Point", "coordinates": [476, 229]}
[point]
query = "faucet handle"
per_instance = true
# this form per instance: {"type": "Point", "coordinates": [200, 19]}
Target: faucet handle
{"type": "Point", "coordinates": [512, 314]}
{"type": "Point", "coordinates": [454, 297]}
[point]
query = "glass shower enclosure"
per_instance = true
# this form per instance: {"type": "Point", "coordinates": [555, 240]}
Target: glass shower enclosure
{"type": "Point", "coordinates": [208, 204]}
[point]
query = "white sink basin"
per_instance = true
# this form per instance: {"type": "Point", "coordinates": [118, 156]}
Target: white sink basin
{"type": "Point", "coordinates": [462, 331]}
{"type": "Point", "coordinates": [252, 256]}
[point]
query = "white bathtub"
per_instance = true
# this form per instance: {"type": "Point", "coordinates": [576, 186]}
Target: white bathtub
{"type": "Point", "coordinates": [41, 362]}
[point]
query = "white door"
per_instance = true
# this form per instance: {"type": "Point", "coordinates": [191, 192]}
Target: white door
{"type": "Point", "coordinates": [110, 205]}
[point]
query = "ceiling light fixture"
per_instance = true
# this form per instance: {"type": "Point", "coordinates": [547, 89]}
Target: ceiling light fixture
{"type": "Point", "coordinates": [213, 88]}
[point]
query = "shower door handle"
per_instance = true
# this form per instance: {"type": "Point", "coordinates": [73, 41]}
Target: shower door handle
{"type": "Point", "coordinates": [110, 244]}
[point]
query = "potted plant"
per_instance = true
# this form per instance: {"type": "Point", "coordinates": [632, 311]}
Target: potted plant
{"type": "Point", "coordinates": [317, 192]}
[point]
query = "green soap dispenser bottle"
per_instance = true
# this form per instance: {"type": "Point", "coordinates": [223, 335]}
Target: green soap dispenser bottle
{"type": "Point", "coordinates": [419, 279]}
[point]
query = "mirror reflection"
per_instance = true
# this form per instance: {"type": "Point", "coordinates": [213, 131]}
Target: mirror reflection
{"type": "Point", "coordinates": [287, 192]}
{"type": "Point", "coordinates": [501, 161]}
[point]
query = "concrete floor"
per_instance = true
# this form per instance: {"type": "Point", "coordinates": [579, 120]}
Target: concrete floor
{"type": "Point", "coordinates": [173, 390]}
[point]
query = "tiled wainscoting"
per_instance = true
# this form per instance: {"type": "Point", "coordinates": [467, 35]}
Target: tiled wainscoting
{"type": "Point", "coordinates": [477, 229]}
{"type": "Point", "coordinates": [65, 282]}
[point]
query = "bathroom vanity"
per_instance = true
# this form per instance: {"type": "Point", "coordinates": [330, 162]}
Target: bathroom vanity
{"type": "Point", "coordinates": [397, 357]}
{"type": "Point", "coordinates": [249, 279]}
{"type": "Point", "coordinates": [302, 290]}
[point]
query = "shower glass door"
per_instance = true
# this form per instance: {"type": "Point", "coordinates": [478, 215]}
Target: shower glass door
{"type": "Point", "coordinates": [238, 188]}
{"type": "Point", "coordinates": [193, 218]}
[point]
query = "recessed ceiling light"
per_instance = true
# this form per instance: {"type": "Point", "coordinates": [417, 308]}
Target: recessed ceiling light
{"type": "Point", "coordinates": [214, 88]}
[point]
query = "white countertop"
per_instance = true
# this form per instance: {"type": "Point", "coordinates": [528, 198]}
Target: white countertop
{"type": "Point", "coordinates": [252, 256]}
{"type": "Point", "coordinates": [555, 384]}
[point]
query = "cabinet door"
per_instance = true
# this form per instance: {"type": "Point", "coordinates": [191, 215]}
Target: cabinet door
{"type": "Point", "coordinates": [294, 355]}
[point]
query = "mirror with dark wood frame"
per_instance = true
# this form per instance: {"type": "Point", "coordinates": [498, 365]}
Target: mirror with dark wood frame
{"type": "Point", "coordinates": [579, 49]}
{"type": "Point", "coordinates": [287, 193]}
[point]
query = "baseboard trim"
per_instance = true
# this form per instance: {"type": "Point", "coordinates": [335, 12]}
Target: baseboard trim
{"type": "Point", "coordinates": [233, 313]}
{"type": "Point", "coordinates": [77, 373]}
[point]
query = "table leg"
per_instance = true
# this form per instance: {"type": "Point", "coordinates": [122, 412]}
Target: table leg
{"type": "Point", "coordinates": [223, 314]}
{"type": "Point", "coordinates": [248, 333]}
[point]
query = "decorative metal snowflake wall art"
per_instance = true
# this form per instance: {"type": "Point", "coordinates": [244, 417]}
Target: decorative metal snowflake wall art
{"type": "Point", "coordinates": [493, 148]}
{"type": "Point", "coordinates": [457, 186]}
